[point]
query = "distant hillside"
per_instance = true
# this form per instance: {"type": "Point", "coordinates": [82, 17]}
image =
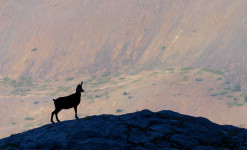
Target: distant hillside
{"type": "Point", "coordinates": [190, 91]}
{"type": "Point", "coordinates": [60, 39]}
{"type": "Point", "coordinates": [140, 130]}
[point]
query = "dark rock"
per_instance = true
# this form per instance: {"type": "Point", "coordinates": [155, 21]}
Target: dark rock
{"type": "Point", "coordinates": [96, 143]}
{"type": "Point", "coordinates": [165, 130]}
{"type": "Point", "coordinates": [184, 141]}
{"type": "Point", "coordinates": [162, 128]}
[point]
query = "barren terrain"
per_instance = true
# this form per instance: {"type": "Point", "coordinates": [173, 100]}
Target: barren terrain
{"type": "Point", "coordinates": [182, 55]}
{"type": "Point", "coordinates": [197, 92]}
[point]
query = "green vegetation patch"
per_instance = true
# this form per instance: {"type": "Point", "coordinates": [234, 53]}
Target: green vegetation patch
{"type": "Point", "coordinates": [106, 74]}
{"type": "Point", "coordinates": [101, 81]}
{"type": "Point", "coordinates": [163, 48]}
{"type": "Point", "coordinates": [29, 118]}
{"type": "Point", "coordinates": [25, 81]}
{"type": "Point", "coordinates": [185, 78]}
{"type": "Point", "coordinates": [229, 96]}
{"type": "Point", "coordinates": [99, 95]}
{"type": "Point", "coordinates": [174, 82]}
{"type": "Point", "coordinates": [34, 49]}
{"type": "Point", "coordinates": [239, 104]}
{"type": "Point", "coordinates": [210, 89]}
{"type": "Point", "coordinates": [125, 93]}
{"type": "Point", "coordinates": [234, 104]}
{"type": "Point", "coordinates": [137, 80]}
{"type": "Point", "coordinates": [199, 73]}
{"type": "Point", "coordinates": [42, 87]}
{"type": "Point", "coordinates": [236, 88]}
{"type": "Point", "coordinates": [169, 69]}
{"type": "Point", "coordinates": [186, 69]}
{"type": "Point", "coordinates": [70, 79]}
{"type": "Point", "coordinates": [227, 88]}
{"type": "Point", "coordinates": [244, 97]}
{"type": "Point", "coordinates": [214, 95]}
{"type": "Point", "coordinates": [119, 110]}
{"type": "Point", "coordinates": [176, 94]}
{"type": "Point", "coordinates": [223, 93]}
{"type": "Point", "coordinates": [198, 79]}
{"type": "Point", "coordinates": [5, 80]}
{"type": "Point", "coordinates": [23, 94]}
{"type": "Point", "coordinates": [122, 87]}
{"type": "Point", "coordinates": [22, 81]}
{"type": "Point", "coordinates": [218, 72]}
{"type": "Point", "coordinates": [118, 74]}
{"type": "Point", "coordinates": [122, 78]}
{"type": "Point", "coordinates": [20, 91]}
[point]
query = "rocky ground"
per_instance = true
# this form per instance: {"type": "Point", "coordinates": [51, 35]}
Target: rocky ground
{"type": "Point", "coordinates": [140, 130]}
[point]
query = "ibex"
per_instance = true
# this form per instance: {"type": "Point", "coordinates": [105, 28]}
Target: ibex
{"type": "Point", "coordinates": [68, 102]}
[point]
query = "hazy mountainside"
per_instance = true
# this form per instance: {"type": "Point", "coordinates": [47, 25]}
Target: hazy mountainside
{"type": "Point", "coordinates": [67, 38]}
{"type": "Point", "coordinates": [188, 56]}
{"type": "Point", "coordinates": [197, 92]}
{"type": "Point", "coordinates": [140, 130]}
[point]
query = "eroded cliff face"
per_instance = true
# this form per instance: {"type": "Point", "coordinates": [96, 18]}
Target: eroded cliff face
{"type": "Point", "coordinates": [57, 39]}
{"type": "Point", "coordinates": [140, 130]}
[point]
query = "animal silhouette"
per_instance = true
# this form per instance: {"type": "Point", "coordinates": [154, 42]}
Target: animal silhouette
{"type": "Point", "coordinates": [68, 102]}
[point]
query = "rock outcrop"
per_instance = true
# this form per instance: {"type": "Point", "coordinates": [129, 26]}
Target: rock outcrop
{"type": "Point", "coordinates": [140, 130]}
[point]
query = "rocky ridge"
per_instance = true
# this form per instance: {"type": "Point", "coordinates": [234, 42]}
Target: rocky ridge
{"type": "Point", "coordinates": [139, 130]}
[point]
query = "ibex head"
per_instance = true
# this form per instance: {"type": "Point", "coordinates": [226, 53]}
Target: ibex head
{"type": "Point", "coordinates": [79, 87]}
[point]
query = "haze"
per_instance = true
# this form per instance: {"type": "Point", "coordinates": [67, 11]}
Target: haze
{"type": "Point", "coordinates": [188, 56]}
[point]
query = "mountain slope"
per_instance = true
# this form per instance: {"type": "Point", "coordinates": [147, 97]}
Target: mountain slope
{"type": "Point", "coordinates": [61, 39]}
{"type": "Point", "coordinates": [140, 130]}
{"type": "Point", "coordinates": [189, 91]}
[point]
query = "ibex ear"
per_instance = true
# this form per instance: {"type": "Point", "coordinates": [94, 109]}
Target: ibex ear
{"type": "Point", "coordinates": [81, 82]}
